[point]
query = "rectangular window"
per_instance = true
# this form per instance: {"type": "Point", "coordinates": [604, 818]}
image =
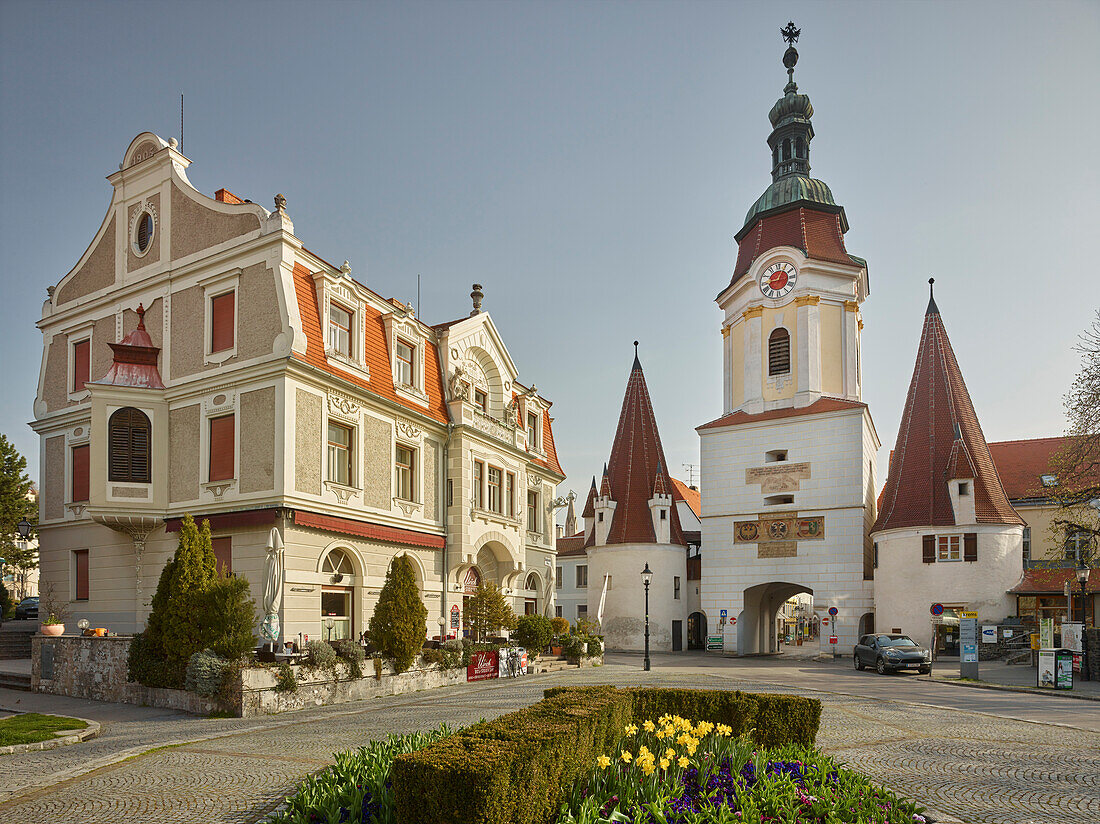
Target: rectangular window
{"type": "Point", "coordinates": [582, 610]}
{"type": "Point", "coordinates": [533, 511]}
{"type": "Point", "coordinates": [557, 611]}
{"type": "Point", "coordinates": [964, 489]}
{"type": "Point", "coordinates": [223, 555]}
{"type": "Point", "coordinates": [532, 430]}
{"type": "Point", "coordinates": [676, 587]}
{"type": "Point", "coordinates": [494, 489]}
{"type": "Point", "coordinates": [510, 495]}
{"type": "Point", "coordinates": [80, 473]}
{"type": "Point", "coordinates": [406, 472]}
{"type": "Point", "coordinates": [1027, 544]}
{"type": "Point", "coordinates": [340, 449]}
{"type": "Point", "coordinates": [222, 448]}
{"type": "Point", "coordinates": [80, 575]}
{"type": "Point", "coordinates": [949, 549]}
{"type": "Point", "coordinates": [479, 475]}
{"type": "Point", "coordinates": [928, 549]}
{"type": "Point", "coordinates": [339, 329]}
{"type": "Point", "coordinates": [405, 354]}
{"type": "Point", "coordinates": [582, 576]}
{"type": "Point", "coordinates": [222, 316]}
{"type": "Point", "coordinates": [81, 364]}
{"type": "Point", "coordinates": [481, 400]}
{"type": "Point", "coordinates": [557, 577]}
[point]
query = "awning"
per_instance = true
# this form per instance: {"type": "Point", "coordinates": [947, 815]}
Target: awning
{"type": "Point", "coordinates": [363, 529]}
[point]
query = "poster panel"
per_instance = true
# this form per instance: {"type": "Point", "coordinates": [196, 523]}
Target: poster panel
{"type": "Point", "coordinates": [483, 665]}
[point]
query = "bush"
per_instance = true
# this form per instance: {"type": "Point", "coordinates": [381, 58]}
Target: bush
{"type": "Point", "coordinates": [205, 673]}
{"type": "Point", "coordinates": [452, 654]}
{"type": "Point", "coordinates": [320, 655]}
{"type": "Point", "coordinates": [560, 625]}
{"type": "Point", "coordinates": [399, 623]}
{"type": "Point", "coordinates": [535, 632]}
{"type": "Point", "coordinates": [285, 680]}
{"type": "Point", "coordinates": [352, 654]}
{"type": "Point", "coordinates": [229, 617]}
{"type": "Point", "coordinates": [145, 665]}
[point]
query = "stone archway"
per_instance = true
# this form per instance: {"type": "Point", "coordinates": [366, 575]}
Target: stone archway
{"type": "Point", "coordinates": [757, 632]}
{"type": "Point", "coordinates": [697, 631]}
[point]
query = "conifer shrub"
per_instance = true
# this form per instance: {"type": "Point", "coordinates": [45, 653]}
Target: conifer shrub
{"type": "Point", "coordinates": [399, 625]}
{"type": "Point", "coordinates": [229, 613]}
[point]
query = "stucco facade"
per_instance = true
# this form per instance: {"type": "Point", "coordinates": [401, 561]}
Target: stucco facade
{"type": "Point", "coordinates": [262, 419]}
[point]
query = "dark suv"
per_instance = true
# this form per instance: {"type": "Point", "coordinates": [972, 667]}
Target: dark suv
{"type": "Point", "coordinates": [890, 653]}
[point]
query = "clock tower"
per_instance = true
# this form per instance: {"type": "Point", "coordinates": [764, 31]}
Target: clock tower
{"type": "Point", "coordinates": [788, 470]}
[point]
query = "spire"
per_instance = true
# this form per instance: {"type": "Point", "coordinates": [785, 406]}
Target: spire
{"type": "Point", "coordinates": [636, 467]}
{"type": "Point", "coordinates": [590, 505]}
{"type": "Point", "coordinates": [637, 363]}
{"type": "Point", "coordinates": [790, 117]}
{"type": "Point", "coordinates": [135, 359]}
{"type": "Point", "coordinates": [932, 308]}
{"type": "Point", "coordinates": [659, 481]}
{"type": "Point", "coordinates": [570, 518]}
{"type": "Point", "coordinates": [939, 439]}
{"type": "Point", "coordinates": [605, 484]}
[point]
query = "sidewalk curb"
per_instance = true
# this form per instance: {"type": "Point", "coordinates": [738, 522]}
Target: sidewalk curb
{"type": "Point", "coordinates": [988, 685]}
{"type": "Point", "coordinates": [75, 737]}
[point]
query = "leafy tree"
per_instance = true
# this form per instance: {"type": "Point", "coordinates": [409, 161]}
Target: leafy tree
{"type": "Point", "coordinates": [535, 632]}
{"type": "Point", "coordinates": [16, 503]}
{"type": "Point", "coordinates": [560, 625]}
{"type": "Point", "coordinates": [487, 611]}
{"type": "Point", "coordinates": [399, 624]}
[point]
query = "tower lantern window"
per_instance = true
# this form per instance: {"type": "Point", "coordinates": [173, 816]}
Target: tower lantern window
{"type": "Point", "coordinates": [786, 148]}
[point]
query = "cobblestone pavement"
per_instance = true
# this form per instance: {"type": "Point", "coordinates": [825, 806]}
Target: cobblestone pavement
{"type": "Point", "coordinates": [975, 767]}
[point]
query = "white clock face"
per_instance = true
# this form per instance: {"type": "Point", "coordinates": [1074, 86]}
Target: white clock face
{"type": "Point", "coordinates": [778, 279]}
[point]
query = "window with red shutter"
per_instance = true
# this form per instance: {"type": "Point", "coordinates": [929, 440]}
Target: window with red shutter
{"type": "Point", "coordinates": [222, 314]}
{"type": "Point", "coordinates": [80, 574]}
{"type": "Point", "coordinates": [223, 555]}
{"type": "Point", "coordinates": [970, 546]}
{"type": "Point", "coordinates": [222, 452]}
{"type": "Point", "coordinates": [928, 549]}
{"type": "Point", "coordinates": [80, 473]}
{"type": "Point", "coordinates": [81, 364]}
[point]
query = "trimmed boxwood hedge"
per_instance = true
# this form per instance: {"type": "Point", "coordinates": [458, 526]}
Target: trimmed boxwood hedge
{"type": "Point", "coordinates": [513, 770]}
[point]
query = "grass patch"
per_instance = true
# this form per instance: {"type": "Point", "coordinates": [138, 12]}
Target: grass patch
{"type": "Point", "coordinates": [32, 727]}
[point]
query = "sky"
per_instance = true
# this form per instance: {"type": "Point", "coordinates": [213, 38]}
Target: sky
{"type": "Point", "coordinates": [589, 164]}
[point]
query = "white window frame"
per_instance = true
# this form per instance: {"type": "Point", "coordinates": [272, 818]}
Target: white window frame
{"type": "Point", "coordinates": [212, 288]}
{"type": "Point", "coordinates": [558, 577]}
{"type": "Point", "coordinates": [350, 450]}
{"type": "Point", "coordinates": [533, 445]}
{"type": "Point", "coordinates": [577, 576]}
{"type": "Point", "coordinates": [398, 361]}
{"type": "Point", "coordinates": [413, 473]}
{"type": "Point", "coordinates": [955, 548]}
{"type": "Point", "coordinates": [538, 520]}
{"type": "Point", "coordinates": [351, 353]}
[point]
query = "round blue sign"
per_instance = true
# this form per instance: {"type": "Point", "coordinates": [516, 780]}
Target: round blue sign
{"type": "Point", "coordinates": [833, 611]}
{"type": "Point", "coordinates": [937, 609]}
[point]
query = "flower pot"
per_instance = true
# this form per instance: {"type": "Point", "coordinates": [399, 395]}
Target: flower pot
{"type": "Point", "coordinates": [52, 629]}
{"type": "Point", "coordinates": [555, 650]}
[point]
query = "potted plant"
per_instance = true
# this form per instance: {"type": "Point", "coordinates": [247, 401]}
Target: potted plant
{"type": "Point", "coordinates": [54, 611]}
{"type": "Point", "coordinates": [561, 628]}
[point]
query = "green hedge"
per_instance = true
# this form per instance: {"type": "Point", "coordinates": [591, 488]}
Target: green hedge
{"type": "Point", "coordinates": [514, 770]}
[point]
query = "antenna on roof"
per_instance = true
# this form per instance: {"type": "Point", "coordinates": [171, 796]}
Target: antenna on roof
{"type": "Point", "coordinates": [692, 469]}
{"type": "Point", "coordinates": [181, 122]}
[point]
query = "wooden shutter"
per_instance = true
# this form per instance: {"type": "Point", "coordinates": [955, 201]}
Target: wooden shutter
{"type": "Point", "coordinates": [128, 446]}
{"type": "Point", "coordinates": [80, 570]}
{"type": "Point", "coordinates": [221, 321]}
{"type": "Point", "coordinates": [779, 352]}
{"type": "Point", "coordinates": [81, 364]}
{"type": "Point", "coordinates": [970, 546]}
{"type": "Point", "coordinates": [928, 547]}
{"type": "Point", "coordinates": [222, 450]}
{"type": "Point", "coordinates": [80, 473]}
{"type": "Point", "coordinates": [223, 555]}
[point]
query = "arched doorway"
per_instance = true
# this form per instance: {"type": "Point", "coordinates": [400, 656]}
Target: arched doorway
{"type": "Point", "coordinates": [470, 583]}
{"type": "Point", "coordinates": [867, 623]}
{"type": "Point", "coordinates": [697, 631]}
{"type": "Point", "coordinates": [758, 625]}
{"type": "Point", "coordinates": [531, 594]}
{"type": "Point", "coordinates": [337, 596]}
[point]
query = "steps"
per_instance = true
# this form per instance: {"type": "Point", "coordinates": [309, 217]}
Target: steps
{"type": "Point", "coordinates": [15, 681]}
{"type": "Point", "coordinates": [15, 639]}
{"type": "Point", "coordinates": [554, 663]}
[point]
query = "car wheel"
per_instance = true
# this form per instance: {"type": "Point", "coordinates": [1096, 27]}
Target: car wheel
{"type": "Point", "coordinates": [855, 660]}
{"type": "Point", "coordinates": [880, 667]}
{"type": "Point", "coordinates": [925, 670]}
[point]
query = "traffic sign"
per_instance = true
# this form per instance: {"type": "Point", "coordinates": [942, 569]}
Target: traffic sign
{"type": "Point", "coordinates": [733, 620]}
{"type": "Point", "coordinates": [937, 609]}
{"type": "Point", "coordinates": [723, 615]}
{"type": "Point", "coordinates": [833, 611]}
{"type": "Point", "coordinates": [824, 622]}
{"type": "Point", "coordinates": [832, 639]}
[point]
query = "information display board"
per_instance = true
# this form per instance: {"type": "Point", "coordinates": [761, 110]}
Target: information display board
{"type": "Point", "coordinates": [968, 643]}
{"type": "Point", "coordinates": [714, 642]}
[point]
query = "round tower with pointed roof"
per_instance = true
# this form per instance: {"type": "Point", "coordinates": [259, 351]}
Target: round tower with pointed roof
{"type": "Point", "coordinates": [788, 469]}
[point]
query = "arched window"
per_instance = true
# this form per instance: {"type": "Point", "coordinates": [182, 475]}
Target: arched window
{"type": "Point", "coordinates": [128, 446]}
{"type": "Point", "coordinates": [337, 562]}
{"type": "Point", "coordinates": [775, 155]}
{"type": "Point", "coordinates": [532, 582]}
{"type": "Point", "coordinates": [779, 352]}
{"type": "Point", "coordinates": [787, 148]}
{"type": "Point", "coordinates": [800, 148]}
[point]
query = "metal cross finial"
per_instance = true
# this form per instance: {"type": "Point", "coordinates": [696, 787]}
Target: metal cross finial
{"type": "Point", "coordinates": [790, 33]}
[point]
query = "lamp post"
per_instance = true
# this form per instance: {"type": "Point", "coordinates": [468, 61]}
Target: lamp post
{"type": "Point", "coordinates": [442, 624]}
{"type": "Point", "coordinates": [24, 528]}
{"type": "Point", "coordinates": [647, 578]}
{"type": "Point", "coordinates": [330, 622]}
{"type": "Point", "coordinates": [1083, 579]}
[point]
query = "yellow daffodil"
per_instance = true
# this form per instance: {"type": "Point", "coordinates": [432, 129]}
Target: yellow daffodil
{"type": "Point", "coordinates": [626, 756]}
{"type": "Point", "coordinates": [649, 726]}
{"type": "Point", "coordinates": [670, 753]}
{"type": "Point", "coordinates": [661, 735]}
{"type": "Point", "coordinates": [630, 729]}
{"type": "Point", "coordinates": [724, 730]}
{"type": "Point", "coordinates": [643, 751]}
{"type": "Point", "coordinates": [683, 762]}
{"type": "Point", "coordinates": [664, 763]}
{"type": "Point", "coordinates": [604, 762]}
{"type": "Point", "coordinates": [664, 719]}
{"type": "Point", "coordinates": [647, 768]}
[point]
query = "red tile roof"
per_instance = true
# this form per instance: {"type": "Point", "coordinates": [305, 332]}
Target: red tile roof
{"type": "Point", "coordinates": [1021, 465]}
{"type": "Point", "coordinates": [685, 493]}
{"type": "Point", "coordinates": [573, 545]}
{"type": "Point", "coordinates": [1053, 581]}
{"type": "Point", "coordinates": [816, 408]}
{"type": "Point", "coordinates": [637, 458]}
{"type": "Point", "coordinates": [135, 359]}
{"type": "Point", "coordinates": [817, 233]}
{"type": "Point", "coordinates": [939, 427]}
{"type": "Point", "coordinates": [590, 504]}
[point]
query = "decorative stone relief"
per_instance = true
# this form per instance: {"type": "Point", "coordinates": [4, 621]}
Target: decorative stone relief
{"type": "Point", "coordinates": [343, 406]}
{"type": "Point", "coordinates": [408, 507]}
{"type": "Point", "coordinates": [218, 488]}
{"type": "Point", "coordinates": [534, 480]}
{"type": "Point", "coordinates": [342, 492]}
{"type": "Point", "coordinates": [407, 429]}
{"type": "Point", "coordinates": [492, 426]}
{"type": "Point", "coordinates": [220, 399]}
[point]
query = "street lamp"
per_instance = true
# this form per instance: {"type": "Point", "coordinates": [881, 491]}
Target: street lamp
{"type": "Point", "coordinates": [330, 622]}
{"type": "Point", "coordinates": [24, 529]}
{"type": "Point", "coordinates": [442, 623]}
{"type": "Point", "coordinates": [1083, 579]}
{"type": "Point", "coordinates": [647, 578]}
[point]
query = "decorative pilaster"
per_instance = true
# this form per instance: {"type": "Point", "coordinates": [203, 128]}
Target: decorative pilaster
{"type": "Point", "coordinates": [851, 350]}
{"type": "Point", "coordinates": [754, 378]}
{"type": "Point", "coordinates": [809, 350]}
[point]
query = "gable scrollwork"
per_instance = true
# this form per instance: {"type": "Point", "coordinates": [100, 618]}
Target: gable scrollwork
{"type": "Point", "coordinates": [343, 407]}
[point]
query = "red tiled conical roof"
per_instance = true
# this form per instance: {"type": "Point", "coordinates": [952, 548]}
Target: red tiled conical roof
{"type": "Point", "coordinates": [590, 504]}
{"type": "Point", "coordinates": [939, 439]}
{"type": "Point", "coordinates": [637, 460]}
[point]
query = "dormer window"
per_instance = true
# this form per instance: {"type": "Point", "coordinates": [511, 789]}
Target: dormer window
{"type": "Point", "coordinates": [532, 430]}
{"type": "Point", "coordinates": [964, 488]}
{"type": "Point", "coordinates": [339, 330]}
{"type": "Point", "coordinates": [406, 354]}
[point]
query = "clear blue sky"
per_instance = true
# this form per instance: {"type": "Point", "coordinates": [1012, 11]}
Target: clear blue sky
{"type": "Point", "coordinates": [589, 164]}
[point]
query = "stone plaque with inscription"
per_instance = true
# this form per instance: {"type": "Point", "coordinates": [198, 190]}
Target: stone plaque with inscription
{"type": "Point", "coordinates": [777, 549]}
{"type": "Point", "coordinates": [778, 477]}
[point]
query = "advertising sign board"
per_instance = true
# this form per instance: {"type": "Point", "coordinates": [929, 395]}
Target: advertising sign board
{"type": "Point", "coordinates": [1071, 635]}
{"type": "Point", "coordinates": [483, 665]}
{"type": "Point", "coordinates": [1046, 633]}
{"type": "Point", "coordinates": [832, 639]}
{"type": "Point", "coordinates": [968, 642]}
{"type": "Point", "coordinates": [989, 634]}
{"type": "Point", "coordinates": [454, 616]}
